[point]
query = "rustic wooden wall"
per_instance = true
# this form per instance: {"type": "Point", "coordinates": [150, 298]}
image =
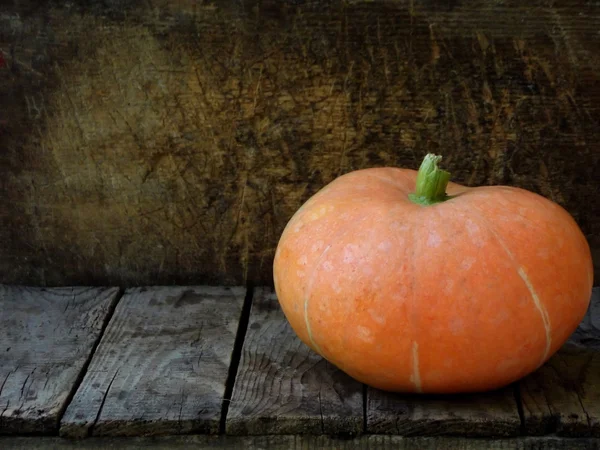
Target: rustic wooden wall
{"type": "Point", "coordinates": [166, 141]}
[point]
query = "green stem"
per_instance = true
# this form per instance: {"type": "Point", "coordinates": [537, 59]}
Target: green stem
{"type": "Point", "coordinates": [431, 182]}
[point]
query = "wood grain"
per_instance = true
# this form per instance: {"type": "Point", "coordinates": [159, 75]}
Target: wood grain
{"type": "Point", "coordinates": [488, 414]}
{"type": "Point", "coordinates": [169, 142]}
{"type": "Point", "coordinates": [46, 339]}
{"type": "Point", "coordinates": [587, 334]}
{"type": "Point", "coordinates": [305, 442]}
{"type": "Point", "coordinates": [282, 387]}
{"type": "Point", "coordinates": [563, 396]}
{"type": "Point", "coordinates": [161, 365]}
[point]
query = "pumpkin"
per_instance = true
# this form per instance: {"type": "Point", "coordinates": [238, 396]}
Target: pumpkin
{"type": "Point", "coordinates": [411, 283]}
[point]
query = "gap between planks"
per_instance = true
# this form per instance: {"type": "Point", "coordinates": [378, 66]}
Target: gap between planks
{"type": "Point", "coordinates": [236, 356]}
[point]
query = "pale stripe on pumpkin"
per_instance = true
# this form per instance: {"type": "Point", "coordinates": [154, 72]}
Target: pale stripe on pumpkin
{"type": "Point", "coordinates": [308, 330]}
{"type": "Point", "coordinates": [541, 309]}
{"type": "Point", "coordinates": [536, 299]}
{"type": "Point", "coordinates": [416, 376]}
{"type": "Point", "coordinates": [307, 295]}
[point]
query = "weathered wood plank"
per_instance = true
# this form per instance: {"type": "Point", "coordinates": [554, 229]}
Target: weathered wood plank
{"type": "Point", "coordinates": [306, 442]}
{"type": "Point", "coordinates": [161, 365]}
{"type": "Point", "coordinates": [46, 339]}
{"type": "Point", "coordinates": [488, 414]}
{"type": "Point", "coordinates": [563, 396]}
{"type": "Point", "coordinates": [282, 387]}
{"type": "Point", "coordinates": [587, 334]}
{"type": "Point", "coordinates": [190, 132]}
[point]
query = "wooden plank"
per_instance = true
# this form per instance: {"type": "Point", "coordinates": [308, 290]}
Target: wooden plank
{"type": "Point", "coordinates": [563, 396]}
{"type": "Point", "coordinates": [305, 442]}
{"type": "Point", "coordinates": [161, 366]}
{"type": "Point", "coordinates": [46, 339]}
{"type": "Point", "coordinates": [587, 334]}
{"type": "Point", "coordinates": [488, 414]}
{"type": "Point", "coordinates": [126, 164]}
{"type": "Point", "coordinates": [282, 387]}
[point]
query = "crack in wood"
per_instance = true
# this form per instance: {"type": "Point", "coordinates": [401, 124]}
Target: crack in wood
{"type": "Point", "coordinates": [4, 410]}
{"type": "Point", "coordinates": [321, 413]}
{"type": "Point", "coordinates": [105, 321]}
{"type": "Point", "coordinates": [519, 402]}
{"type": "Point", "coordinates": [25, 382]}
{"type": "Point", "coordinates": [6, 378]}
{"type": "Point", "coordinates": [69, 303]}
{"type": "Point", "coordinates": [104, 396]}
{"type": "Point", "coordinates": [180, 410]}
{"type": "Point", "coordinates": [577, 388]}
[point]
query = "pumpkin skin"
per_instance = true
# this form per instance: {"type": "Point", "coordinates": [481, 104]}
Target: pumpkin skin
{"type": "Point", "coordinates": [466, 295]}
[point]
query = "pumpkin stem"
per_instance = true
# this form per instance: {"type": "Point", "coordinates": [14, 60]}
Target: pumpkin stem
{"type": "Point", "coordinates": [431, 182]}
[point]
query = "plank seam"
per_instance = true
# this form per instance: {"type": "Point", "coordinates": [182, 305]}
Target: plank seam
{"type": "Point", "coordinates": [321, 414]}
{"type": "Point", "coordinates": [578, 394]}
{"type": "Point", "coordinates": [364, 405]}
{"type": "Point", "coordinates": [86, 364]}
{"type": "Point", "coordinates": [236, 356]}
{"type": "Point", "coordinates": [519, 401]}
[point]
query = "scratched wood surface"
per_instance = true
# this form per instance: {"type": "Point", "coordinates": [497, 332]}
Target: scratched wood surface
{"type": "Point", "coordinates": [161, 366]}
{"type": "Point", "coordinates": [282, 387]}
{"type": "Point", "coordinates": [489, 414]}
{"type": "Point", "coordinates": [46, 339]}
{"type": "Point", "coordinates": [169, 142]}
{"type": "Point", "coordinates": [563, 396]}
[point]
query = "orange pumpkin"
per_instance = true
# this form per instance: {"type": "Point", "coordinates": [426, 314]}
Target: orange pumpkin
{"type": "Point", "coordinates": [411, 283]}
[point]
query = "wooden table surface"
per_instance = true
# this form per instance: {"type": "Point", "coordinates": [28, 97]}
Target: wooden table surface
{"type": "Point", "coordinates": [107, 364]}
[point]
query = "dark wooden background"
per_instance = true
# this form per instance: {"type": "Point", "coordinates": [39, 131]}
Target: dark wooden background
{"type": "Point", "coordinates": [155, 141]}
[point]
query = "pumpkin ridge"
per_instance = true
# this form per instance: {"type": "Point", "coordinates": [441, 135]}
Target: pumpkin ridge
{"type": "Point", "coordinates": [416, 376]}
{"type": "Point", "coordinates": [311, 280]}
{"type": "Point", "coordinates": [306, 298]}
{"type": "Point", "coordinates": [543, 311]}
{"type": "Point", "coordinates": [528, 284]}
{"type": "Point", "coordinates": [416, 370]}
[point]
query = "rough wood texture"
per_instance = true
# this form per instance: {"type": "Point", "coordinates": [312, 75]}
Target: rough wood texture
{"type": "Point", "coordinates": [169, 142]}
{"type": "Point", "coordinates": [46, 339]}
{"type": "Point", "coordinates": [161, 365]}
{"type": "Point", "coordinates": [302, 443]}
{"type": "Point", "coordinates": [489, 414]}
{"type": "Point", "coordinates": [282, 387]}
{"type": "Point", "coordinates": [564, 395]}
{"type": "Point", "coordinates": [587, 334]}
